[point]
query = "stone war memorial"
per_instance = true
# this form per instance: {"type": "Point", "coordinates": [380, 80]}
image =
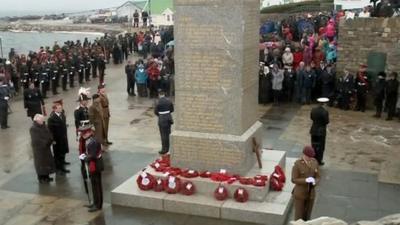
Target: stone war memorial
{"type": "Point", "coordinates": [215, 156]}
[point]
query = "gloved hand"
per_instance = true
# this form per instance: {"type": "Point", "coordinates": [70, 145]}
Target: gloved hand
{"type": "Point", "coordinates": [6, 98]}
{"type": "Point", "coordinates": [82, 156]}
{"type": "Point", "coordinates": [310, 180]}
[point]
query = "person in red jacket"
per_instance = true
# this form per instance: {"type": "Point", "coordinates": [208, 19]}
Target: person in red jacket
{"type": "Point", "coordinates": [297, 58]}
{"type": "Point", "coordinates": [154, 77]}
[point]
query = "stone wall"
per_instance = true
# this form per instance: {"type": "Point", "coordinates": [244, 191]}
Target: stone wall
{"type": "Point", "coordinates": [358, 37]}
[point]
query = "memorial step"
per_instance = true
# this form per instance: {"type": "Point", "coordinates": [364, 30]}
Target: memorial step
{"type": "Point", "coordinates": [273, 210]}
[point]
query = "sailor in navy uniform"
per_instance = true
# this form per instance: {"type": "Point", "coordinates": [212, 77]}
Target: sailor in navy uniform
{"type": "Point", "coordinates": [163, 110]}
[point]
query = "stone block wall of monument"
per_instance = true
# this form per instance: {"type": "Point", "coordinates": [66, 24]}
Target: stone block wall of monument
{"type": "Point", "coordinates": [360, 36]}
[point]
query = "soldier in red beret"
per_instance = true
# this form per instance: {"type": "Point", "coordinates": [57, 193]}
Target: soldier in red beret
{"type": "Point", "coordinates": [305, 176]}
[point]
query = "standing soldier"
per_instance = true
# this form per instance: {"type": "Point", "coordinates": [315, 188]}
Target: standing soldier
{"type": "Point", "coordinates": [44, 79]}
{"type": "Point", "coordinates": [305, 176]}
{"type": "Point", "coordinates": [94, 62]}
{"type": "Point", "coordinates": [81, 113]}
{"type": "Point", "coordinates": [33, 101]}
{"type": "Point", "coordinates": [4, 97]}
{"type": "Point", "coordinates": [102, 67]}
{"type": "Point", "coordinates": [96, 118]}
{"type": "Point", "coordinates": [24, 73]}
{"type": "Point", "coordinates": [64, 74]}
{"type": "Point", "coordinates": [163, 110]}
{"type": "Point", "coordinates": [71, 69]}
{"type": "Point", "coordinates": [57, 124]}
{"type": "Point", "coordinates": [391, 95]}
{"type": "Point", "coordinates": [106, 111]}
{"type": "Point", "coordinates": [34, 73]}
{"type": "Point", "coordinates": [81, 70]}
{"type": "Point", "coordinates": [54, 76]}
{"type": "Point", "coordinates": [379, 90]}
{"type": "Point", "coordinates": [86, 62]}
{"type": "Point", "coordinates": [361, 88]}
{"type": "Point", "coordinates": [320, 117]}
{"type": "Point", "coordinates": [90, 154]}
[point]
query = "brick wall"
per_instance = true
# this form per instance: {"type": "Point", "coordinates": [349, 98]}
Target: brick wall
{"type": "Point", "coordinates": [360, 36]}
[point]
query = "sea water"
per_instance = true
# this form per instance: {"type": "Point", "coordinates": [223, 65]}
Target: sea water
{"type": "Point", "coordinates": [23, 42]}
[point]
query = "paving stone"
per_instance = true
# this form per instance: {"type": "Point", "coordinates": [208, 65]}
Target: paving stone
{"type": "Point", "coordinates": [193, 205]}
{"type": "Point", "coordinates": [25, 219]}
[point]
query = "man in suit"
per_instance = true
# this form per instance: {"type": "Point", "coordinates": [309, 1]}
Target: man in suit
{"type": "Point", "coordinates": [305, 176]}
{"type": "Point", "coordinates": [106, 111]}
{"type": "Point", "coordinates": [163, 110]}
{"type": "Point", "coordinates": [58, 127]}
{"type": "Point", "coordinates": [320, 117]}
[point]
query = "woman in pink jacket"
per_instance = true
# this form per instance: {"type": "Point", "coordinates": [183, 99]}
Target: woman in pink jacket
{"type": "Point", "coordinates": [330, 30]}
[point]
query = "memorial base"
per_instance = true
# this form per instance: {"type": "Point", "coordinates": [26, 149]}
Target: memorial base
{"type": "Point", "coordinates": [264, 206]}
{"type": "Point", "coordinates": [212, 152]}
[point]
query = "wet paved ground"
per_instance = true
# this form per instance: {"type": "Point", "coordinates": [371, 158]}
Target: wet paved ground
{"type": "Point", "coordinates": [349, 195]}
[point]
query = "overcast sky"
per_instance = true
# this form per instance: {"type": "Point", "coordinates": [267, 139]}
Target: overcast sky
{"type": "Point", "coordinates": [56, 5]}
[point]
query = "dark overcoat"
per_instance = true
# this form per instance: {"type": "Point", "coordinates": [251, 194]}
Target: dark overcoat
{"type": "Point", "coordinates": [58, 127]}
{"type": "Point", "coordinates": [41, 140]}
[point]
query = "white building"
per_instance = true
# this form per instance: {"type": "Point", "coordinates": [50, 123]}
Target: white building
{"type": "Point", "coordinates": [127, 9]}
{"type": "Point", "coordinates": [166, 18]}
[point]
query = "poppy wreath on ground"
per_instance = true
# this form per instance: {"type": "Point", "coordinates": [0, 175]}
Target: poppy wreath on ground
{"type": "Point", "coordinates": [220, 177]}
{"type": "Point", "coordinates": [188, 188]}
{"type": "Point", "coordinates": [172, 171]}
{"type": "Point", "coordinates": [145, 181]}
{"type": "Point", "coordinates": [172, 185]}
{"type": "Point", "coordinates": [260, 180]}
{"type": "Point", "coordinates": [232, 180]}
{"type": "Point", "coordinates": [159, 187]}
{"type": "Point", "coordinates": [246, 180]}
{"type": "Point", "coordinates": [159, 167]}
{"type": "Point", "coordinates": [281, 174]}
{"type": "Point", "coordinates": [205, 174]}
{"type": "Point", "coordinates": [221, 193]}
{"type": "Point", "coordinates": [276, 184]}
{"type": "Point", "coordinates": [189, 174]}
{"type": "Point", "coordinates": [241, 195]}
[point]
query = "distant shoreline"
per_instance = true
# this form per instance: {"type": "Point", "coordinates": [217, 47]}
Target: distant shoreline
{"type": "Point", "coordinates": [60, 27]}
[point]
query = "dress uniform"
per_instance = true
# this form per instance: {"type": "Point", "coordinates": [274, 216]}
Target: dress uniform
{"type": "Point", "coordinates": [320, 117]}
{"type": "Point", "coordinates": [106, 111]}
{"type": "Point", "coordinates": [81, 113]}
{"type": "Point", "coordinates": [90, 153]}
{"type": "Point", "coordinates": [163, 110]}
{"type": "Point", "coordinates": [305, 176]}
{"type": "Point", "coordinates": [4, 97]}
{"type": "Point", "coordinates": [96, 118]}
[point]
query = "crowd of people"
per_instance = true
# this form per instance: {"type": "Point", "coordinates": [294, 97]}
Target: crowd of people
{"type": "Point", "coordinates": [298, 64]}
